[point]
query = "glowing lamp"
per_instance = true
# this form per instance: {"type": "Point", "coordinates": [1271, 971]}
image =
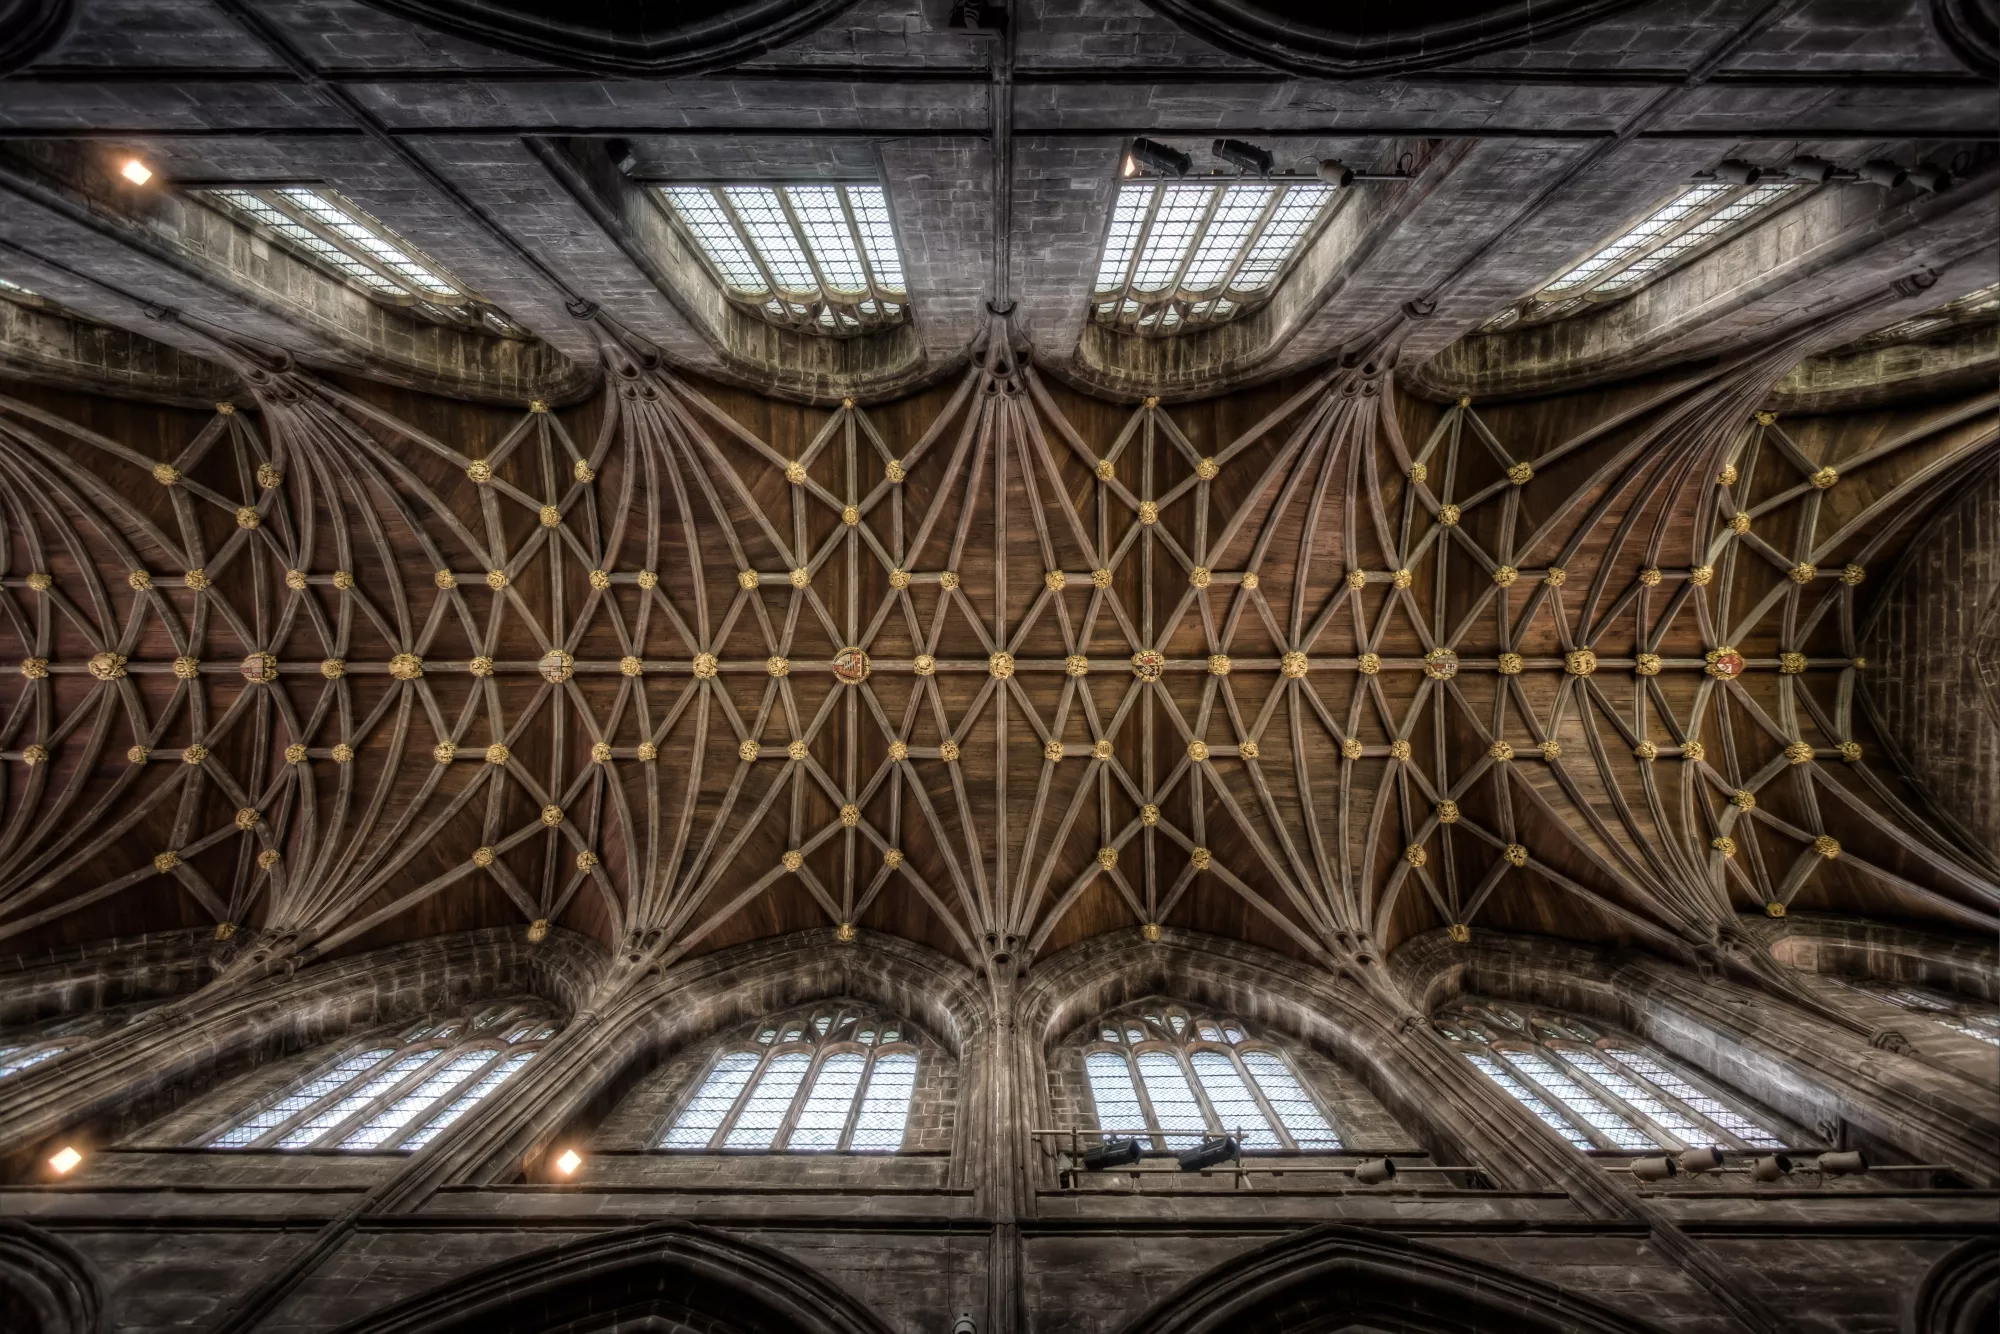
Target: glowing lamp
{"type": "Point", "coordinates": [65, 1160]}
{"type": "Point", "coordinates": [136, 171]}
{"type": "Point", "coordinates": [569, 1162]}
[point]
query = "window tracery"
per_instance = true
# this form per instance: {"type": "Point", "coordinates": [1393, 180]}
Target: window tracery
{"type": "Point", "coordinates": [1675, 233]}
{"type": "Point", "coordinates": [1192, 253]}
{"type": "Point", "coordinates": [1174, 1077]}
{"type": "Point", "coordinates": [396, 1093]}
{"type": "Point", "coordinates": [1972, 1018]}
{"type": "Point", "coordinates": [1598, 1090]}
{"type": "Point", "coordinates": [818, 258]}
{"type": "Point", "coordinates": [23, 1049]}
{"type": "Point", "coordinates": [838, 1079]}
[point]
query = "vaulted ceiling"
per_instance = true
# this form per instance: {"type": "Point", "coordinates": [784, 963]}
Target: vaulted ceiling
{"type": "Point", "coordinates": [1336, 624]}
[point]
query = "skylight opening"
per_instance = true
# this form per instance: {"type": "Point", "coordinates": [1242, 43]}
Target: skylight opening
{"type": "Point", "coordinates": [1184, 254]}
{"type": "Point", "coordinates": [328, 231]}
{"type": "Point", "coordinates": [1697, 218]}
{"type": "Point", "coordinates": [816, 258]}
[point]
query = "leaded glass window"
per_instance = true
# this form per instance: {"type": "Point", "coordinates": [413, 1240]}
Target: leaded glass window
{"type": "Point", "coordinates": [1172, 1078]}
{"type": "Point", "coordinates": [1599, 1090]}
{"type": "Point", "coordinates": [1694, 220]}
{"type": "Point", "coordinates": [1977, 307]}
{"type": "Point", "coordinates": [25, 1048]}
{"type": "Point", "coordinates": [1186, 254]}
{"type": "Point", "coordinates": [330, 232]}
{"type": "Point", "coordinates": [817, 258]}
{"type": "Point", "coordinates": [396, 1093]}
{"type": "Point", "coordinates": [838, 1079]}
{"type": "Point", "coordinates": [1973, 1019]}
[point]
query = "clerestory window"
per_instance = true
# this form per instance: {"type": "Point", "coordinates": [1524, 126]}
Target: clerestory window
{"type": "Point", "coordinates": [1171, 1077]}
{"type": "Point", "coordinates": [328, 231]}
{"type": "Point", "coordinates": [1597, 1090]}
{"type": "Point", "coordinates": [396, 1093]}
{"type": "Point", "coordinates": [838, 1079]}
{"type": "Point", "coordinates": [25, 1048]}
{"type": "Point", "coordinates": [1973, 1019]}
{"type": "Point", "coordinates": [1976, 307]}
{"type": "Point", "coordinates": [816, 258]}
{"type": "Point", "coordinates": [1184, 254]}
{"type": "Point", "coordinates": [1698, 218]}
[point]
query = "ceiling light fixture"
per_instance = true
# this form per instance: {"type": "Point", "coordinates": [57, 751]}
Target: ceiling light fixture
{"type": "Point", "coordinates": [1246, 158]}
{"type": "Point", "coordinates": [1930, 178]}
{"type": "Point", "coordinates": [135, 171]}
{"type": "Point", "coordinates": [1335, 172]}
{"type": "Point", "coordinates": [569, 1162]}
{"type": "Point", "coordinates": [1738, 172]}
{"type": "Point", "coordinates": [1160, 158]}
{"type": "Point", "coordinates": [1883, 173]}
{"type": "Point", "coordinates": [1219, 1149]}
{"type": "Point", "coordinates": [1111, 1153]}
{"type": "Point", "coordinates": [65, 1160]}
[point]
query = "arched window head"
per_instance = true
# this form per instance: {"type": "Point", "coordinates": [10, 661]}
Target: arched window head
{"type": "Point", "coordinates": [398, 1092]}
{"type": "Point", "coordinates": [1971, 1018]}
{"type": "Point", "coordinates": [23, 1049]}
{"type": "Point", "coordinates": [835, 1079]}
{"type": "Point", "coordinates": [1599, 1090]}
{"type": "Point", "coordinates": [1170, 1076]}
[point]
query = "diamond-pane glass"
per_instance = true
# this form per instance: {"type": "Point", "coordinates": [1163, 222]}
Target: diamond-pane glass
{"type": "Point", "coordinates": [1174, 1106]}
{"type": "Point", "coordinates": [823, 1119]}
{"type": "Point", "coordinates": [379, 1128]}
{"type": "Point", "coordinates": [702, 1117]}
{"type": "Point", "coordinates": [885, 1106]}
{"type": "Point", "coordinates": [326, 1118]}
{"type": "Point", "coordinates": [467, 1100]}
{"type": "Point", "coordinates": [828, 250]}
{"type": "Point", "coordinates": [1556, 1082]}
{"type": "Point", "coordinates": [301, 1096]}
{"type": "Point", "coordinates": [1720, 1113]}
{"type": "Point", "coordinates": [1296, 1111]}
{"type": "Point", "coordinates": [1522, 1094]}
{"type": "Point", "coordinates": [1235, 1106]}
{"type": "Point", "coordinates": [763, 1115]}
{"type": "Point", "coordinates": [1111, 1089]}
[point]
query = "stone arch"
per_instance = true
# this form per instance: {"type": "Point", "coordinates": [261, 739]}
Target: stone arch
{"type": "Point", "coordinates": [671, 1271]}
{"type": "Point", "coordinates": [1878, 952]}
{"type": "Point", "coordinates": [45, 1286]}
{"type": "Point", "coordinates": [1961, 1293]}
{"type": "Point", "coordinates": [1332, 1278]}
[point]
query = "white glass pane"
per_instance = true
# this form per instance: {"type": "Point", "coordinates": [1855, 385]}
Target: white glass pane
{"type": "Point", "coordinates": [1174, 1105]}
{"type": "Point", "coordinates": [702, 1117]}
{"type": "Point", "coordinates": [885, 1107]}
{"type": "Point", "coordinates": [1289, 1099]}
{"type": "Point", "coordinates": [1639, 235]}
{"type": "Point", "coordinates": [1128, 216]}
{"type": "Point", "coordinates": [340, 219]}
{"type": "Point", "coordinates": [832, 244]}
{"type": "Point", "coordinates": [302, 1096]}
{"type": "Point", "coordinates": [1729, 1118]}
{"type": "Point", "coordinates": [1593, 1112]}
{"type": "Point", "coordinates": [325, 1119]}
{"type": "Point", "coordinates": [1737, 210]}
{"type": "Point", "coordinates": [709, 225]}
{"type": "Point", "coordinates": [13, 1064]}
{"type": "Point", "coordinates": [757, 1125]}
{"type": "Point", "coordinates": [1235, 1106]}
{"type": "Point", "coordinates": [1111, 1089]}
{"type": "Point", "coordinates": [823, 1119]}
{"type": "Point", "coordinates": [771, 232]}
{"type": "Point", "coordinates": [1171, 236]}
{"type": "Point", "coordinates": [878, 237]}
{"type": "Point", "coordinates": [1294, 217]}
{"type": "Point", "coordinates": [1527, 1097]}
{"type": "Point", "coordinates": [1983, 1027]}
{"type": "Point", "coordinates": [465, 1101]}
{"type": "Point", "coordinates": [1227, 234]}
{"type": "Point", "coordinates": [417, 1102]}
{"type": "Point", "coordinates": [1640, 1099]}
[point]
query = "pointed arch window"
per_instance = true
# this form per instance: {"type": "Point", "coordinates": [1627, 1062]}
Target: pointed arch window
{"type": "Point", "coordinates": [1678, 231]}
{"type": "Point", "coordinates": [396, 1094]}
{"type": "Point", "coordinates": [838, 1079]}
{"type": "Point", "coordinates": [1173, 1077]}
{"type": "Point", "coordinates": [1599, 1090]}
{"type": "Point", "coordinates": [1971, 1018]}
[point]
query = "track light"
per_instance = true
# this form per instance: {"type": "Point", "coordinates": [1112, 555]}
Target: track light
{"type": "Point", "coordinates": [1335, 172]}
{"type": "Point", "coordinates": [1770, 1167]}
{"type": "Point", "coordinates": [64, 1161]}
{"type": "Point", "coordinates": [135, 171]}
{"type": "Point", "coordinates": [1930, 178]}
{"type": "Point", "coordinates": [1244, 157]}
{"type": "Point", "coordinates": [1697, 1161]}
{"type": "Point", "coordinates": [1655, 1169]}
{"type": "Point", "coordinates": [569, 1162]}
{"type": "Point", "coordinates": [1883, 173]}
{"type": "Point", "coordinates": [1111, 1153]}
{"type": "Point", "coordinates": [1818, 171]}
{"type": "Point", "coordinates": [1219, 1149]}
{"type": "Point", "coordinates": [1737, 172]}
{"type": "Point", "coordinates": [1159, 158]}
{"type": "Point", "coordinates": [1374, 1171]}
{"type": "Point", "coordinates": [1842, 1164]}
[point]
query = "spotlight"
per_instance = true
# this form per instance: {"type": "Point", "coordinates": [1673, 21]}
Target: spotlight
{"type": "Point", "coordinates": [1842, 1164]}
{"type": "Point", "coordinates": [1883, 173]}
{"type": "Point", "coordinates": [1244, 157]}
{"type": "Point", "coordinates": [1697, 1161]}
{"type": "Point", "coordinates": [1374, 1171]}
{"type": "Point", "coordinates": [1655, 1169]}
{"type": "Point", "coordinates": [1208, 1153]}
{"type": "Point", "coordinates": [1738, 172]}
{"type": "Point", "coordinates": [1111, 1153]}
{"type": "Point", "coordinates": [1158, 157]}
{"type": "Point", "coordinates": [622, 155]}
{"type": "Point", "coordinates": [1335, 172]}
{"type": "Point", "coordinates": [1770, 1167]}
{"type": "Point", "coordinates": [136, 171]}
{"type": "Point", "coordinates": [569, 1162]}
{"type": "Point", "coordinates": [65, 1160]}
{"type": "Point", "coordinates": [964, 1324]}
{"type": "Point", "coordinates": [1816, 170]}
{"type": "Point", "coordinates": [1930, 178]}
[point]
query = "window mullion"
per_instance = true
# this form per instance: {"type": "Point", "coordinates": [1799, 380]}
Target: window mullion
{"type": "Point", "coordinates": [303, 217]}
{"type": "Point", "coordinates": [1209, 1115]}
{"type": "Point", "coordinates": [1138, 250]}
{"type": "Point", "coordinates": [340, 1130]}
{"type": "Point", "coordinates": [728, 1124]}
{"type": "Point", "coordinates": [778, 290]}
{"type": "Point", "coordinates": [846, 1140]}
{"type": "Point", "coordinates": [1658, 1133]}
{"type": "Point", "coordinates": [416, 1120]}
{"type": "Point", "coordinates": [1154, 1130]}
{"type": "Point", "coordinates": [1276, 1122]}
{"type": "Point", "coordinates": [1559, 1105]}
{"type": "Point", "coordinates": [867, 269]}
{"type": "Point", "coordinates": [305, 1113]}
{"type": "Point", "coordinates": [811, 250]}
{"type": "Point", "coordinates": [782, 1140]}
{"type": "Point", "coordinates": [1195, 240]}
{"type": "Point", "coordinates": [1693, 219]}
{"type": "Point", "coordinates": [1250, 243]}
